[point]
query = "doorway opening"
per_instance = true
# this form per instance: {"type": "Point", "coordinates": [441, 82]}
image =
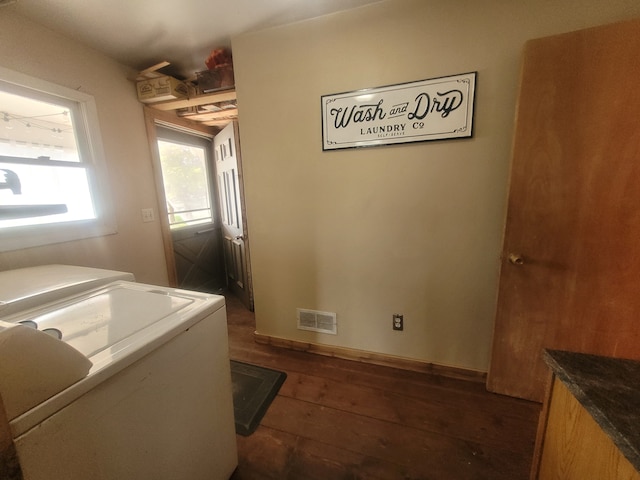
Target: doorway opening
{"type": "Point", "coordinates": [189, 190]}
{"type": "Point", "coordinates": [198, 176]}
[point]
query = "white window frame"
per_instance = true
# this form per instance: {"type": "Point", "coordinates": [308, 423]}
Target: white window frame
{"type": "Point", "coordinates": [91, 153]}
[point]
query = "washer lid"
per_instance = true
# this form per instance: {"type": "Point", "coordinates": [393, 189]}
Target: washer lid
{"type": "Point", "coordinates": [33, 286]}
{"type": "Point", "coordinates": [119, 316]}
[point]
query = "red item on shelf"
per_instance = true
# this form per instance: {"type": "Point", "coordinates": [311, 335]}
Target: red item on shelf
{"type": "Point", "coordinates": [218, 57]}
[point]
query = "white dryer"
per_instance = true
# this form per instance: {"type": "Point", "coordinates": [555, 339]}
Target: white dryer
{"type": "Point", "coordinates": [155, 402]}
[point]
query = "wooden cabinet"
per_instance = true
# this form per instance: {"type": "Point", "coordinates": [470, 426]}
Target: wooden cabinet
{"type": "Point", "coordinates": [586, 428]}
{"type": "Point", "coordinates": [575, 447]}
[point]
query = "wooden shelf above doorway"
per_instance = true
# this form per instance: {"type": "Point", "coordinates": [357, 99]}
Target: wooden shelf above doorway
{"type": "Point", "coordinates": [212, 119]}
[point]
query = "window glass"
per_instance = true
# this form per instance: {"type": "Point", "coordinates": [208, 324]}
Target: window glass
{"type": "Point", "coordinates": [48, 194]}
{"type": "Point", "coordinates": [34, 128]}
{"type": "Point", "coordinates": [185, 175]}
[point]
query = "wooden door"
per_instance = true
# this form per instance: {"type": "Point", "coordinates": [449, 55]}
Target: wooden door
{"type": "Point", "coordinates": [198, 258]}
{"type": "Point", "coordinates": [230, 189]}
{"type": "Point", "coordinates": [570, 275]}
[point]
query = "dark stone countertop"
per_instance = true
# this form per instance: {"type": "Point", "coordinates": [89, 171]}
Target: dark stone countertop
{"type": "Point", "coordinates": [609, 389]}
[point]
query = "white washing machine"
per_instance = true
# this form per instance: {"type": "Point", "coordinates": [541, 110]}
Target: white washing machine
{"type": "Point", "coordinates": [25, 288]}
{"type": "Point", "coordinates": [138, 387]}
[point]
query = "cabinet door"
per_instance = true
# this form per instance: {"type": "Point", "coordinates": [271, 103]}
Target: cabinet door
{"type": "Point", "coordinates": [575, 447]}
{"type": "Point", "coordinates": [571, 257]}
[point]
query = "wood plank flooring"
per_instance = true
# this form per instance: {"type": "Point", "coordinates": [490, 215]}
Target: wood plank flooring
{"type": "Point", "coordinates": [339, 419]}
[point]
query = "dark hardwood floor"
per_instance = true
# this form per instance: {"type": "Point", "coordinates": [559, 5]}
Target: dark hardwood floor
{"type": "Point", "coordinates": [340, 419]}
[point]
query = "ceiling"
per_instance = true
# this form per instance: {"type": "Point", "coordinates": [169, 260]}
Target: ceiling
{"type": "Point", "coordinates": [142, 33]}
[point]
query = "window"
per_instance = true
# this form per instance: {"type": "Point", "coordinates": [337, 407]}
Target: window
{"type": "Point", "coordinates": [184, 160]}
{"type": "Point", "coordinates": [50, 165]}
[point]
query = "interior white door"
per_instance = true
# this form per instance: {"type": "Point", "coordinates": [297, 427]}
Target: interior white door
{"type": "Point", "coordinates": [230, 189]}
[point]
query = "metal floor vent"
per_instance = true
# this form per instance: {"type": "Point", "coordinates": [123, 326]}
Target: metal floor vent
{"type": "Point", "coordinates": [324, 322]}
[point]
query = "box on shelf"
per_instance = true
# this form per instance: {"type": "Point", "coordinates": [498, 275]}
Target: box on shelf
{"type": "Point", "coordinates": [161, 88]}
{"type": "Point", "coordinates": [186, 111]}
{"type": "Point", "coordinates": [217, 107]}
{"type": "Point", "coordinates": [216, 78]}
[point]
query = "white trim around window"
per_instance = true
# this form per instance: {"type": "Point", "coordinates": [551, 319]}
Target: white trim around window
{"type": "Point", "coordinates": [91, 161]}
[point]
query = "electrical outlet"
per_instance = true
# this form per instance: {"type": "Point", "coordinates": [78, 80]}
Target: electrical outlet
{"type": "Point", "coordinates": [147, 215]}
{"type": "Point", "coordinates": [398, 321]}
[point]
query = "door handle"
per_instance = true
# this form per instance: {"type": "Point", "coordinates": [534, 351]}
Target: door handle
{"type": "Point", "coordinates": [516, 259]}
{"type": "Point", "coordinates": [240, 237]}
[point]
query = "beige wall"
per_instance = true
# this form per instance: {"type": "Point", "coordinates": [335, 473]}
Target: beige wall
{"type": "Point", "coordinates": [412, 229]}
{"type": "Point", "coordinates": [137, 247]}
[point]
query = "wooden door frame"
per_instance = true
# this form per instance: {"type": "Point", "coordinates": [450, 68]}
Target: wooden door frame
{"type": "Point", "coordinates": [153, 117]}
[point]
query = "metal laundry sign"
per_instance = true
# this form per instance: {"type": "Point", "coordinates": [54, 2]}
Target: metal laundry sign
{"type": "Point", "coordinates": [434, 109]}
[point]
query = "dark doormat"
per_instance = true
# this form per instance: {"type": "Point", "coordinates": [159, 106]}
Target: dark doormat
{"type": "Point", "coordinates": [254, 388]}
